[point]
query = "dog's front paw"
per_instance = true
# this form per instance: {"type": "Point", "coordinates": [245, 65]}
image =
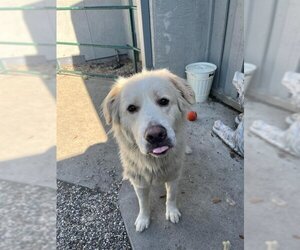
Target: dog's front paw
{"type": "Point", "coordinates": [172, 214]}
{"type": "Point", "coordinates": [142, 222]}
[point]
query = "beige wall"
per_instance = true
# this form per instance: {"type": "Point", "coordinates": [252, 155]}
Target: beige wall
{"type": "Point", "coordinates": [101, 26]}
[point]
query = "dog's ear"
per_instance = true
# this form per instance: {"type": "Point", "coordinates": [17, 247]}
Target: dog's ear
{"type": "Point", "coordinates": [110, 105]}
{"type": "Point", "coordinates": [183, 87]}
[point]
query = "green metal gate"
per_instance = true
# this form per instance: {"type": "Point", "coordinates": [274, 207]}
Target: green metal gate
{"type": "Point", "coordinates": [130, 7]}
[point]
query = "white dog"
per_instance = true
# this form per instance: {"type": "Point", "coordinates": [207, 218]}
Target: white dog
{"type": "Point", "coordinates": [148, 112]}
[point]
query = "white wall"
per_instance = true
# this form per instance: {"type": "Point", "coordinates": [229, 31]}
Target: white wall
{"type": "Point", "coordinates": [185, 32]}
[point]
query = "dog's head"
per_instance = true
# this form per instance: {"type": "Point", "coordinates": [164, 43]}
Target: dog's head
{"type": "Point", "coordinates": [148, 108]}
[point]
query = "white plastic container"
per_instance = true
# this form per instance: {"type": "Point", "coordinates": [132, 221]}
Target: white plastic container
{"type": "Point", "coordinates": [200, 76]}
{"type": "Point", "coordinates": [249, 70]}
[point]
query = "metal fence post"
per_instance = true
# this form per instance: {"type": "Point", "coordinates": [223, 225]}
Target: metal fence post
{"type": "Point", "coordinates": [133, 36]}
{"type": "Point", "coordinates": [145, 16]}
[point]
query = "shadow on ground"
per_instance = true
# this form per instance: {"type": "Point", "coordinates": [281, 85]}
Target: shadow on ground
{"type": "Point", "coordinates": [88, 214]}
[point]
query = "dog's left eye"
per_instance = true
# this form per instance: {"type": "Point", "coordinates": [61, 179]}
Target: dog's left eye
{"type": "Point", "coordinates": [163, 102]}
{"type": "Point", "coordinates": [132, 108]}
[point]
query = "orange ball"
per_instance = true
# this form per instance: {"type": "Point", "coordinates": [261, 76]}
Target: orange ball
{"type": "Point", "coordinates": [191, 116]}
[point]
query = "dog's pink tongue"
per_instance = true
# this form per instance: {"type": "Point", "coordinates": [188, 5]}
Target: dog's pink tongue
{"type": "Point", "coordinates": [160, 150]}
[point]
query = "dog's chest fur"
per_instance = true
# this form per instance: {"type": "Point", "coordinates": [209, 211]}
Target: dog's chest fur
{"type": "Point", "coordinates": [145, 169]}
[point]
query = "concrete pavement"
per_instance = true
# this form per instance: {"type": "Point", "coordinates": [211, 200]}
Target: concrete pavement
{"type": "Point", "coordinates": [271, 185]}
{"type": "Point", "coordinates": [27, 162]}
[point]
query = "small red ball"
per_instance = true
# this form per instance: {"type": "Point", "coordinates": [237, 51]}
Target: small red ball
{"type": "Point", "coordinates": [191, 116]}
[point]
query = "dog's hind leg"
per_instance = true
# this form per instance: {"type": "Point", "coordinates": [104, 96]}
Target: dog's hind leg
{"type": "Point", "coordinates": [143, 220]}
{"type": "Point", "coordinates": [172, 212]}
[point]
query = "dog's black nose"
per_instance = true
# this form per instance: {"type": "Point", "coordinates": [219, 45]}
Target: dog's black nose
{"type": "Point", "coordinates": [155, 134]}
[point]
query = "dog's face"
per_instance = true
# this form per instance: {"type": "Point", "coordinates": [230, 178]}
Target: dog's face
{"type": "Point", "coordinates": [147, 108]}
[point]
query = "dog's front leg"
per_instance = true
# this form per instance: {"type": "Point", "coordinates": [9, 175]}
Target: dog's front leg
{"type": "Point", "coordinates": [143, 220]}
{"type": "Point", "coordinates": [172, 212]}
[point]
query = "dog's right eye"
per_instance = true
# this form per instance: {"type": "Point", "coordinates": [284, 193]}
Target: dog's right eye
{"type": "Point", "coordinates": [163, 102]}
{"type": "Point", "coordinates": [132, 108]}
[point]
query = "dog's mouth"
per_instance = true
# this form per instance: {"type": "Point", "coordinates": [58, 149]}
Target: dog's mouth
{"type": "Point", "coordinates": [160, 151]}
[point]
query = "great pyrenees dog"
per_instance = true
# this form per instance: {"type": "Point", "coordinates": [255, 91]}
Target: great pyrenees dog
{"type": "Point", "coordinates": [147, 112]}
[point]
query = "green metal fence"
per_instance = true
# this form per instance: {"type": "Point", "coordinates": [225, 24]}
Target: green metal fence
{"type": "Point", "coordinates": [133, 47]}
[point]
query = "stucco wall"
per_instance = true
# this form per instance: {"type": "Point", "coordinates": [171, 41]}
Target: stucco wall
{"type": "Point", "coordinates": [179, 33]}
{"type": "Point", "coordinates": [185, 32]}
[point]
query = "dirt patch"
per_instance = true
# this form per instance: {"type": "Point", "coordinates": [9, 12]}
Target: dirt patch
{"type": "Point", "coordinates": [124, 68]}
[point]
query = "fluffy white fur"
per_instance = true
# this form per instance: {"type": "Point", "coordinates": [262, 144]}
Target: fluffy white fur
{"type": "Point", "coordinates": [140, 167]}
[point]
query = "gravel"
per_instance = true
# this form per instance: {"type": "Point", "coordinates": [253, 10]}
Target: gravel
{"type": "Point", "coordinates": [27, 216]}
{"type": "Point", "coordinates": [89, 218]}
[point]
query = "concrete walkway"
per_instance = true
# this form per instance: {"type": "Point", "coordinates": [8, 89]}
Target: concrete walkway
{"type": "Point", "coordinates": [28, 130]}
{"type": "Point", "coordinates": [271, 185]}
{"type": "Point", "coordinates": [78, 124]}
{"type": "Point", "coordinates": [86, 156]}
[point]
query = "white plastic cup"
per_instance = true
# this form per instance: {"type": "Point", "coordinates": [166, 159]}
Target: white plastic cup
{"type": "Point", "coordinates": [200, 76]}
{"type": "Point", "coordinates": [249, 70]}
